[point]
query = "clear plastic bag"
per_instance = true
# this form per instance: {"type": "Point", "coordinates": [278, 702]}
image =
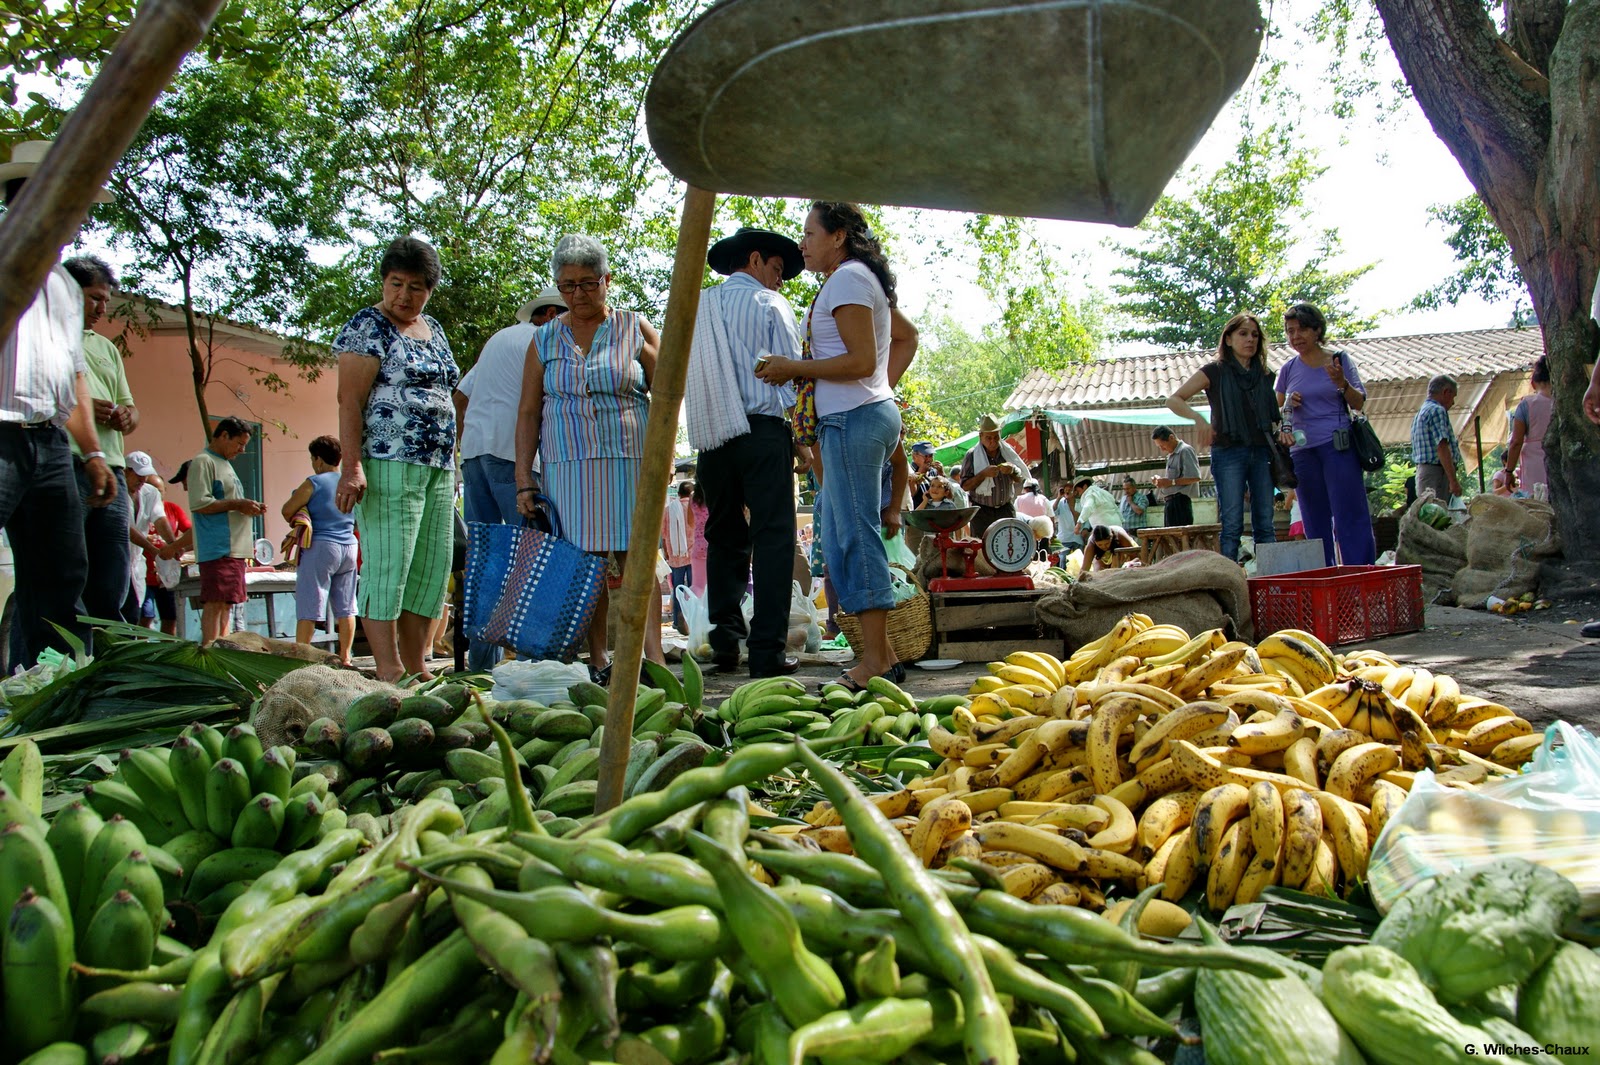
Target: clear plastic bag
{"type": "Point", "coordinates": [543, 681]}
{"type": "Point", "coordinates": [1549, 813]}
{"type": "Point", "coordinates": [698, 618]}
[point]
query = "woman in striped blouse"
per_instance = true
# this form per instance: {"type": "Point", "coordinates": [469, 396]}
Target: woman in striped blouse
{"type": "Point", "coordinates": [585, 401]}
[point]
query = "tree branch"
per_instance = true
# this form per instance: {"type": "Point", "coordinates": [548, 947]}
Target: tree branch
{"type": "Point", "coordinates": [1533, 27]}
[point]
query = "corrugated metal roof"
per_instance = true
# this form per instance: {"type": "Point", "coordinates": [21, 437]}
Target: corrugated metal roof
{"type": "Point", "coordinates": [1489, 365]}
{"type": "Point", "coordinates": [1139, 380]}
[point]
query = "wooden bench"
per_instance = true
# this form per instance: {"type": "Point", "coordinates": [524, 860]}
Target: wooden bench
{"type": "Point", "coordinates": [1156, 544]}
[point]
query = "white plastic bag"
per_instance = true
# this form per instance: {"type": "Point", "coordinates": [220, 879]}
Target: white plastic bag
{"type": "Point", "coordinates": [698, 617]}
{"type": "Point", "coordinates": [543, 681]}
{"type": "Point", "coordinates": [804, 619]}
{"type": "Point", "coordinates": [1549, 813]}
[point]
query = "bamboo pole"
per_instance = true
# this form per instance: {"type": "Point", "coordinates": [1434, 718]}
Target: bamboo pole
{"type": "Point", "coordinates": [55, 201]}
{"type": "Point", "coordinates": [650, 498]}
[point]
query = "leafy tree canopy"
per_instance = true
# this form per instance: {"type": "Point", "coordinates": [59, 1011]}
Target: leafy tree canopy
{"type": "Point", "coordinates": [1243, 241]}
{"type": "Point", "coordinates": [1486, 269]}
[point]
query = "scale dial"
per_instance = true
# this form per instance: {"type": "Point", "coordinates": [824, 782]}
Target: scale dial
{"type": "Point", "coordinates": [1009, 545]}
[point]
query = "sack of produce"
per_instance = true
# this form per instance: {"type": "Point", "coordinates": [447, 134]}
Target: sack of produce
{"type": "Point", "coordinates": [303, 696]}
{"type": "Point", "coordinates": [1549, 814]}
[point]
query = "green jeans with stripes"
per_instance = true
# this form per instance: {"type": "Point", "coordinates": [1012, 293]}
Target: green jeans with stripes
{"type": "Point", "coordinates": [407, 529]}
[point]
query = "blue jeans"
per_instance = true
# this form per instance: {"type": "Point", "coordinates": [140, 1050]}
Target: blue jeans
{"type": "Point", "coordinates": [681, 576]}
{"type": "Point", "coordinates": [489, 495]}
{"type": "Point", "coordinates": [1236, 469]}
{"type": "Point", "coordinates": [1333, 503]}
{"type": "Point", "coordinates": [855, 445]}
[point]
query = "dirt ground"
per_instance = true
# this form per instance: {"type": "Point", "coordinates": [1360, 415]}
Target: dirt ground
{"type": "Point", "coordinates": [1535, 663]}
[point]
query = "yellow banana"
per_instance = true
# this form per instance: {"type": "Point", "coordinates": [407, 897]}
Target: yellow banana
{"type": "Point", "coordinates": [1216, 666]}
{"type": "Point", "coordinates": [1028, 879]}
{"type": "Point", "coordinates": [1313, 712]}
{"type": "Point", "coordinates": [1347, 824]}
{"type": "Point", "coordinates": [1163, 677]}
{"type": "Point", "coordinates": [942, 821]}
{"type": "Point", "coordinates": [1181, 867]}
{"type": "Point", "coordinates": [1048, 847]}
{"type": "Point", "coordinates": [1471, 711]}
{"type": "Point", "coordinates": [1163, 699]}
{"type": "Point", "coordinates": [1386, 799]}
{"type": "Point", "coordinates": [1204, 769]}
{"type": "Point", "coordinates": [1214, 811]}
{"type": "Point", "coordinates": [1118, 834]}
{"type": "Point", "coordinates": [1313, 642]}
{"type": "Point", "coordinates": [1334, 697]}
{"type": "Point", "coordinates": [1058, 894]}
{"type": "Point", "coordinates": [1297, 657]}
{"type": "Point", "coordinates": [1155, 870]}
{"type": "Point", "coordinates": [1358, 765]}
{"type": "Point", "coordinates": [1419, 693]}
{"type": "Point", "coordinates": [1518, 749]}
{"type": "Point", "coordinates": [985, 684]}
{"type": "Point", "coordinates": [1162, 819]}
{"type": "Point", "coordinates": [1045, 665]}
{"type": "Point", "coordinates": [1023, 675]}
{"type": "Point", "coordinates": [1051, 736]}
{"type": "Point", "coordinates": [1109, 865]}
{"type": "Point", "coordinates": [1397, 681]}
{"type": "Point", "coordinates": [1302, 831]}
{"type": "Point", "coordinates": [1184, 723]}
{"type": "Point", "coordinates": [1266, 819]}
{"type": "Point", "coordinates": [1300, 761]}
{"type": "Point", "coordinates": [1485, 736]}
{"type": "Point", "coordinates": [1117, 670]}
{"type": "Point", "coordinates": [1155, 641]}
{"type": "Point", "coordinates": [1446, 697]}
{"type": "Point", "coordinates": [1217, 735]}
{"type": "Point", "coordinates": [1063, 701]}
{"type": "Point", "coordinates": [1324, 870]}
{"type": "Point", "coordinates": [1200, 645]}
{"type": "Point", "coordinates": [1081, 816]}
{"type": "Point", "coordinates": [1111, 717]}
{"type": "Point", "coordinates": [1274, 735]}
{"type": "Point", "coordinates": [1260, 874]}
{"type": "Point", "coordinates": [1279, 668]}
{"type": "Point", "coordinates": [1022, 698]}
{"type": "Point", "coordinates": [1335, 742]}
{"type": "Point", "coordinates": [1227, 868]}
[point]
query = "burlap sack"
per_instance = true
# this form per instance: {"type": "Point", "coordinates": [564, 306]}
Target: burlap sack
{"type": "Point", "coordinates": [299, 698]}
{"type": "Point", "coordinates": [1440, 553]}
{"type": "Point", "coordinates": [1507, 540]}
{"type": "Point", "coordinates": [1197, 590]}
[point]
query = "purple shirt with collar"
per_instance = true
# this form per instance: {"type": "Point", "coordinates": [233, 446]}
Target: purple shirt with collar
{"type": "Point", "coordinates": [1320, 411]}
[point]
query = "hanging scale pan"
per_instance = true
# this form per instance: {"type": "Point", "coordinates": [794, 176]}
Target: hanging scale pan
{"type": "Point", "coordinates": [1075, 109]}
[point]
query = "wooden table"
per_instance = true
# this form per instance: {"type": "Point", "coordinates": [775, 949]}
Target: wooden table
{"type": "Point", "coordinates": [1156, 544]}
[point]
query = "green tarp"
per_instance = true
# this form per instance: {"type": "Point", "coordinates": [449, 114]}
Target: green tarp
{"type": "Point", "coordinates": [952, 452]}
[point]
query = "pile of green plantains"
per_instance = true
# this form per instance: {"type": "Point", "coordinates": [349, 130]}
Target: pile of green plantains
{"type": "Point", "coordinates": [665, 930]}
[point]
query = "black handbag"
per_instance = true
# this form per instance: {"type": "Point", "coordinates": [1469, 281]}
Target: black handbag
{"type": "Point", "coordinates": [1363, 437]}
{"type": "Point", "coordinates": [1283, 474]}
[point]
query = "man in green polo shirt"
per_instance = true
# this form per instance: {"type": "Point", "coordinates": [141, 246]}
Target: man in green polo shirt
{"type": "Point", "coordinates": [105, 529]}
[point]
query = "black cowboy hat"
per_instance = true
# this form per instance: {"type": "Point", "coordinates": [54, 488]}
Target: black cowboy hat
{"type": "Point", "coordinates": [732, 252]}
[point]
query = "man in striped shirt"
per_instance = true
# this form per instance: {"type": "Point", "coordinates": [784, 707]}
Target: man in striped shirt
{"type": "Point", "coordinates": [44, 401]}
{"type": "Point", "coordinates": [740, 426]}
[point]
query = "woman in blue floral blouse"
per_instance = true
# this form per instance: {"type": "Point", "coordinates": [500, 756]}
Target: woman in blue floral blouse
{"type": "Point", "coordinates": [397, 430]}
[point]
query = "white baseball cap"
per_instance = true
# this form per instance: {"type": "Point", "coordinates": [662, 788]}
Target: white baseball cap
{"type": "Point", "coordinates": [140, 463]}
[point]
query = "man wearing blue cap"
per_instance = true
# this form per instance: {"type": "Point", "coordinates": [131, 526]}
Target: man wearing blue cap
{"type": "Point", "coordinates": [921, 466]}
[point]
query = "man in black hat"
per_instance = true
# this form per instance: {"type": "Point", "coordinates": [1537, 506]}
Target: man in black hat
{"type": "Point", "coordinates": [740, 426]}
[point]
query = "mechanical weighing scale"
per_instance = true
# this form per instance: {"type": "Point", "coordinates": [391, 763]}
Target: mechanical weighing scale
{"type": "Point", "coordinates": [1008, 544]}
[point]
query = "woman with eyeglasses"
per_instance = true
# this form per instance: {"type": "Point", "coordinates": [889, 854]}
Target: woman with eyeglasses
{"type": "Point", "coordinates": [1238, 387]}
{"type": "Point", "coordinates": [859, 344]}
{"type": "Point", "coordinates": [585, 401]}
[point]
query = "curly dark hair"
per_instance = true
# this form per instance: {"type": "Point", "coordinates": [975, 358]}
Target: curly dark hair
{"type": "Point", "coordinates": [859, 241]}
{"type": "Point", "coordinates": [89, 270]}
{"type": "Point", "coordinates": [1310, 318]}
{"type": "Point", "coordinates": [414, 257]}
{"type": "Point", "coordinates": [327, 449]}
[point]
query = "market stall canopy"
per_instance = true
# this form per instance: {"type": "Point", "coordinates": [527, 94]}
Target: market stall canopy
{"type": "Point", "coordinates": [952, 451]}
{"type": "Point", "coordinates": [1076, 109]}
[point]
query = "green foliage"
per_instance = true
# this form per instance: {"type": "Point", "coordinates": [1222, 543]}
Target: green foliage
{"type": "Point", "coordinates": [1235, 245]}
{"type": "Point", "coordinates": [1487, 269]}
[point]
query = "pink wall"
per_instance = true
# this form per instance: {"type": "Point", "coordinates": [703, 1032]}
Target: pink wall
{"type": "Point", "coordinates": [159, 375]}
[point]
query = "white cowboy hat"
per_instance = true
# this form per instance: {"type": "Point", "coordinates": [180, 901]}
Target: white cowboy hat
{"type": "Point", "coordinates": [25, 159]}
{"type": "Point", "coordinates": [548, 298]}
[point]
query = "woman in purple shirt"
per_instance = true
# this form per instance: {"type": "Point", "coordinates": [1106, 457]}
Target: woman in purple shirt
{"type": "Point", "coordinates": [1318, 389]}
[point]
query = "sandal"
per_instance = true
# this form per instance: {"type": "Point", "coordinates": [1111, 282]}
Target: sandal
{"type": "Point", "coordinates": [896, 673]}
{"type": "Point", "coordinates": [845, 681]}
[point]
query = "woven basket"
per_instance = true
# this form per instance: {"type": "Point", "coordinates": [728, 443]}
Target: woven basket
{"type": "Point", "coordinates": [910, 624]}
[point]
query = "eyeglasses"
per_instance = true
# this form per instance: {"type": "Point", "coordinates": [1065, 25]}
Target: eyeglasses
{"type": "Point", "coordinates": [567, 288]}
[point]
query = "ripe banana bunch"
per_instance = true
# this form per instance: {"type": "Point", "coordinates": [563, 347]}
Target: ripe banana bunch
{"type": "Point", "coordinates": [1304, 662]}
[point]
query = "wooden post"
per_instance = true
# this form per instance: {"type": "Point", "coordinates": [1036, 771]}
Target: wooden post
{"type": "Point", "coordinates": [55, 201]}
{"type": "Point", "coordinates": [650, 499]}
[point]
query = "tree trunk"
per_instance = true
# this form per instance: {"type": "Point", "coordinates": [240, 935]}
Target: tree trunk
{"type": "Point", "coordinates": [1530, 145]}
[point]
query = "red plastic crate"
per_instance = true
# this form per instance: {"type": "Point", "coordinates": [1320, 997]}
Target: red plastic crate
{"type": "Point", "coordinates": [1339, 604]}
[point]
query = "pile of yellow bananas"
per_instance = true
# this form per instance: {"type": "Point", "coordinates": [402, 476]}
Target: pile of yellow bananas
{"type": "Point", "coordinates": [1152, 756]}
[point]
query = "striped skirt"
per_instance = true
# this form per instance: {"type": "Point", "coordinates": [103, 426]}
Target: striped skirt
{"type": "Point", "coordinates": [595, 500]}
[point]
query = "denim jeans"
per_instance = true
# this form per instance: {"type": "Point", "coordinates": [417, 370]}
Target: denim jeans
{"type": "Point", "coordinates": [43, 519]}
{"type": "Point", "coordinates": [489, 495]}
{"type": "Point", "coordinates": [855, 445]}
{"type": "Point", "coordinates": [105, 537]}
{"type": "Point", "coordinates": [1333, 503]}
{"type": "Point", "coordinates": [1236, 469]}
